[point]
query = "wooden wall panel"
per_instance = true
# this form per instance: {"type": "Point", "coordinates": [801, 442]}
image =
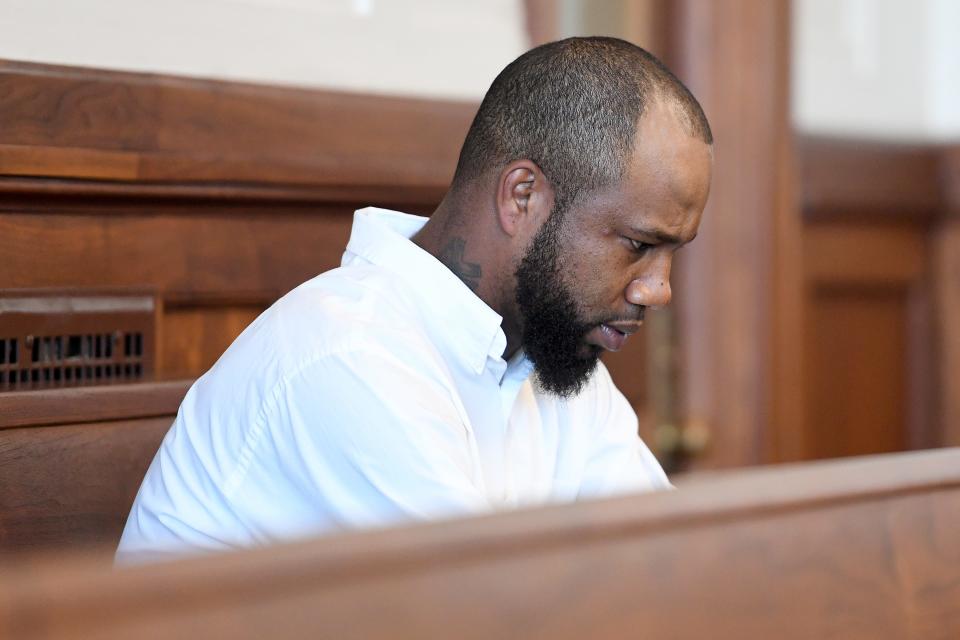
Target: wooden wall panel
{"type": "Point", "coordinates": [91, 404]}
{"type": "Point", "coordinates": [947, 282]}
{"type": "Point", "coordinates": [195, 337]}
{"type": "Point", "coordinates": [856, 384]}
{"type": "Point", "coordinates": [71, 486]}
{"type": "Point", "coordinates": [846, 178]}
{"type": "Point", "coordinates": [219, 197]}
{"type": "Point", "coordinates": [233, 263]}
{"type": "Point", "coordinates": [866, 253]}
{"type": "Point", "coordinates": [182, 253]}
{"type": "Point", "coordinates": [83, 123]}
{"type": "Point", "coordinates": [880, 289]}
{"type": "Point", "coordinates": [868, 312]}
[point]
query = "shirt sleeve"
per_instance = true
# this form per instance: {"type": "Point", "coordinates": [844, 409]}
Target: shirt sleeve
{"type": "Point", "coordinates": [618, 460]}
{"type": "Point", "coordinates": [374, 438]}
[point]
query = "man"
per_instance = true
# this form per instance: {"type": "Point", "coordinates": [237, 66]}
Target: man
{"type": "Point", "coordinates": [450, 366]}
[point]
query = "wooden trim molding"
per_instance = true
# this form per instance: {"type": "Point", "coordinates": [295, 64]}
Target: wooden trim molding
{"type": "Point", "coordinates": [176, 133]}
{"type": "Point", "coordinates": [848, 178]}
{"type": "Point", "coordinates": [950, 175]}
{"type": "Point", "coordinates": [92, 404]}
{"type": "Point", "coordinates": [77, 195]}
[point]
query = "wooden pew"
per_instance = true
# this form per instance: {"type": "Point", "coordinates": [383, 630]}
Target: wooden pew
{"type": "Point", "coordinates": [860, 548]}
{"type": "Point", "coordinates": [72, 459]}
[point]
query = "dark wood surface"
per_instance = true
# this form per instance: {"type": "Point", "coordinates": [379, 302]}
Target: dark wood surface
{"type": "Point", "coordinates": [218, 196]}
{"type": "Point", "coordinates": [91, 404]}
{"type": "Point", "coordinates": [863, 548]}
{"type": "Point", "coordinates": [950, 173]}
{"type": "Point", "coordinates": [946, 270]}
{"type": "Point", "coordinates": [877, 372]}
{"type": "Point", "coordinates": [70, 487]}
{"type": "Point", "coordinates": [848, 178]}
{"type": "Point", "coordinates": [83, 123]}
{"type": "Point", "coordinates": [736, 378]}
{"type": "Point", "coordinates": [182, 252]}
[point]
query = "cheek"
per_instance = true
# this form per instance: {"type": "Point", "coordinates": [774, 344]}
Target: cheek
{"type": "Point", "coordinates": [598, 280]}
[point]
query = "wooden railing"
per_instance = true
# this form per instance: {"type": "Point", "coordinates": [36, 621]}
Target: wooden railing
{"type": "Point", "coordinates": [861, 548]}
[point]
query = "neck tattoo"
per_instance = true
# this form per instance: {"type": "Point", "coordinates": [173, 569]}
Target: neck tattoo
{"type": "Point", "coordinates": [452, 256]}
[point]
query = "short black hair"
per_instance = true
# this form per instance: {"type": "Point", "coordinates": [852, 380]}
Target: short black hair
{"type": "Point", "coordinates": [572, 107]}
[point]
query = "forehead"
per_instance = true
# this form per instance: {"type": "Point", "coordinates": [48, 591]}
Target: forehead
{"type": "Point", "coordinates": [667, 181]}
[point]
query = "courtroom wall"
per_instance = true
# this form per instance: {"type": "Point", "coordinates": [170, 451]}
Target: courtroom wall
{"type": "Point", "coordinates": [878, 69]}
{"type": "Point", "coordinates": [367, 46]}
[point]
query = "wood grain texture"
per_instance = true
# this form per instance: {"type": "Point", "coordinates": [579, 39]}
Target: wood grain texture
{"type": "Point", "coordinates": [859, 179]}
{"type": "Point", "coordinates": [195, 337]}
{"type": "Point", "coordinates": [866, 254]}
{"type": "Point", "coordinates": [150, 128]}
{"type": "Point", "coordinates": [876, 226]}
{"type": "Point", "coordinates": [870, 364]}
{"type": "Point", "coordinates": [180, 252]}
{"type": "Point", "coordinates": [218, 196]}
{"type": "Point", "coordinates": [857, 388]}
{"type": "Point", "coordinates": [947, 281]}
{"type": "Point", "coordinates": [727, 283]}
{"type": "Point", "coordinates": [91, 404]}
{"type": "Point", "coordinates": [71, 486]}
{"type": "Point", "coordinates": [950, 175]}
{"type": "Point", "coordinates": [858, 549]}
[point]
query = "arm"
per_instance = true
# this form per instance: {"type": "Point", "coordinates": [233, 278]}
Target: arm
{"type": "Point", "coordinates": [374, 438]}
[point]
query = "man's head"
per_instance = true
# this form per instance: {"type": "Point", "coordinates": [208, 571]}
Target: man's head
{"type": "Point", "coordinates": [572, 107]}
{"type": "Point", "coordinates": [600, 163]}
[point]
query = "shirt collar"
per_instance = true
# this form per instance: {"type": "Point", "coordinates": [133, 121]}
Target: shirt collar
{"type": "Point", "coordinates": [463, 322]}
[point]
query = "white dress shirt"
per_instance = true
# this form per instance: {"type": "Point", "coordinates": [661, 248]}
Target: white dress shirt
{"type": "Point", "coordinates": [370, 395]}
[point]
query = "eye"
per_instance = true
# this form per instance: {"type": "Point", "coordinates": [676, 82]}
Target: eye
{"type": "Point", "coordinates": [639, 247]}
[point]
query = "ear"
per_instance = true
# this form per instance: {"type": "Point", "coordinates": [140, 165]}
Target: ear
{"type": "Point", "coordinates": [524, 198]}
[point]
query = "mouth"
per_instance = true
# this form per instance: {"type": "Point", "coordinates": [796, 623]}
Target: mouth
{"type": "Point", "coordinates": [611, 336]}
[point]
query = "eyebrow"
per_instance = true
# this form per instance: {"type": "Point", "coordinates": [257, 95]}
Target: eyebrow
{"type": "Point", "coordinates": [662, 236]}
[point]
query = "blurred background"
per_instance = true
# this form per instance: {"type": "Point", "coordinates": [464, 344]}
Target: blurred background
{"type": "Point", "coordinates": [225, 142]}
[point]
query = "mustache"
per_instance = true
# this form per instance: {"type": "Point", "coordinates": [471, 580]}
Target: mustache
{"type": "Point", "coordinates": [633, 315]}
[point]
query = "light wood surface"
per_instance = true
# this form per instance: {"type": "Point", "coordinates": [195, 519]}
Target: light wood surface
{"type": "Point", "coordinates": [862, 548]}
{"type": "Point", "coordinates": [70, 487]}
{"type": "Point", "coordinates": [91, 404]}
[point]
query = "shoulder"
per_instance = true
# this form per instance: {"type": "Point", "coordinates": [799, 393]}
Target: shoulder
{"type": "Point", "coordinates": [355, 317]}
{"type": "Point", "coordinates": [358, 308]}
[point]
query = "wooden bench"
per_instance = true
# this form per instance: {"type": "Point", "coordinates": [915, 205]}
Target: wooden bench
{"type": "Point", "coordinates": [859, 548]}
{"type": "Point", "coordinates": [72, 459]}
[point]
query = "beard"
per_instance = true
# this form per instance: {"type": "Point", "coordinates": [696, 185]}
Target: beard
{"type": "Point", "coordinates": [553, 331]}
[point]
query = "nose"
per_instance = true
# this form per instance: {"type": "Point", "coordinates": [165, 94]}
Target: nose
{"type": "Point", "coordinates": [651, 288]}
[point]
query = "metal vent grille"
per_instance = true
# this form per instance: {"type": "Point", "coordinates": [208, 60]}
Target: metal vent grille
{"type": "Point", "coordinates": [65, 341]}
